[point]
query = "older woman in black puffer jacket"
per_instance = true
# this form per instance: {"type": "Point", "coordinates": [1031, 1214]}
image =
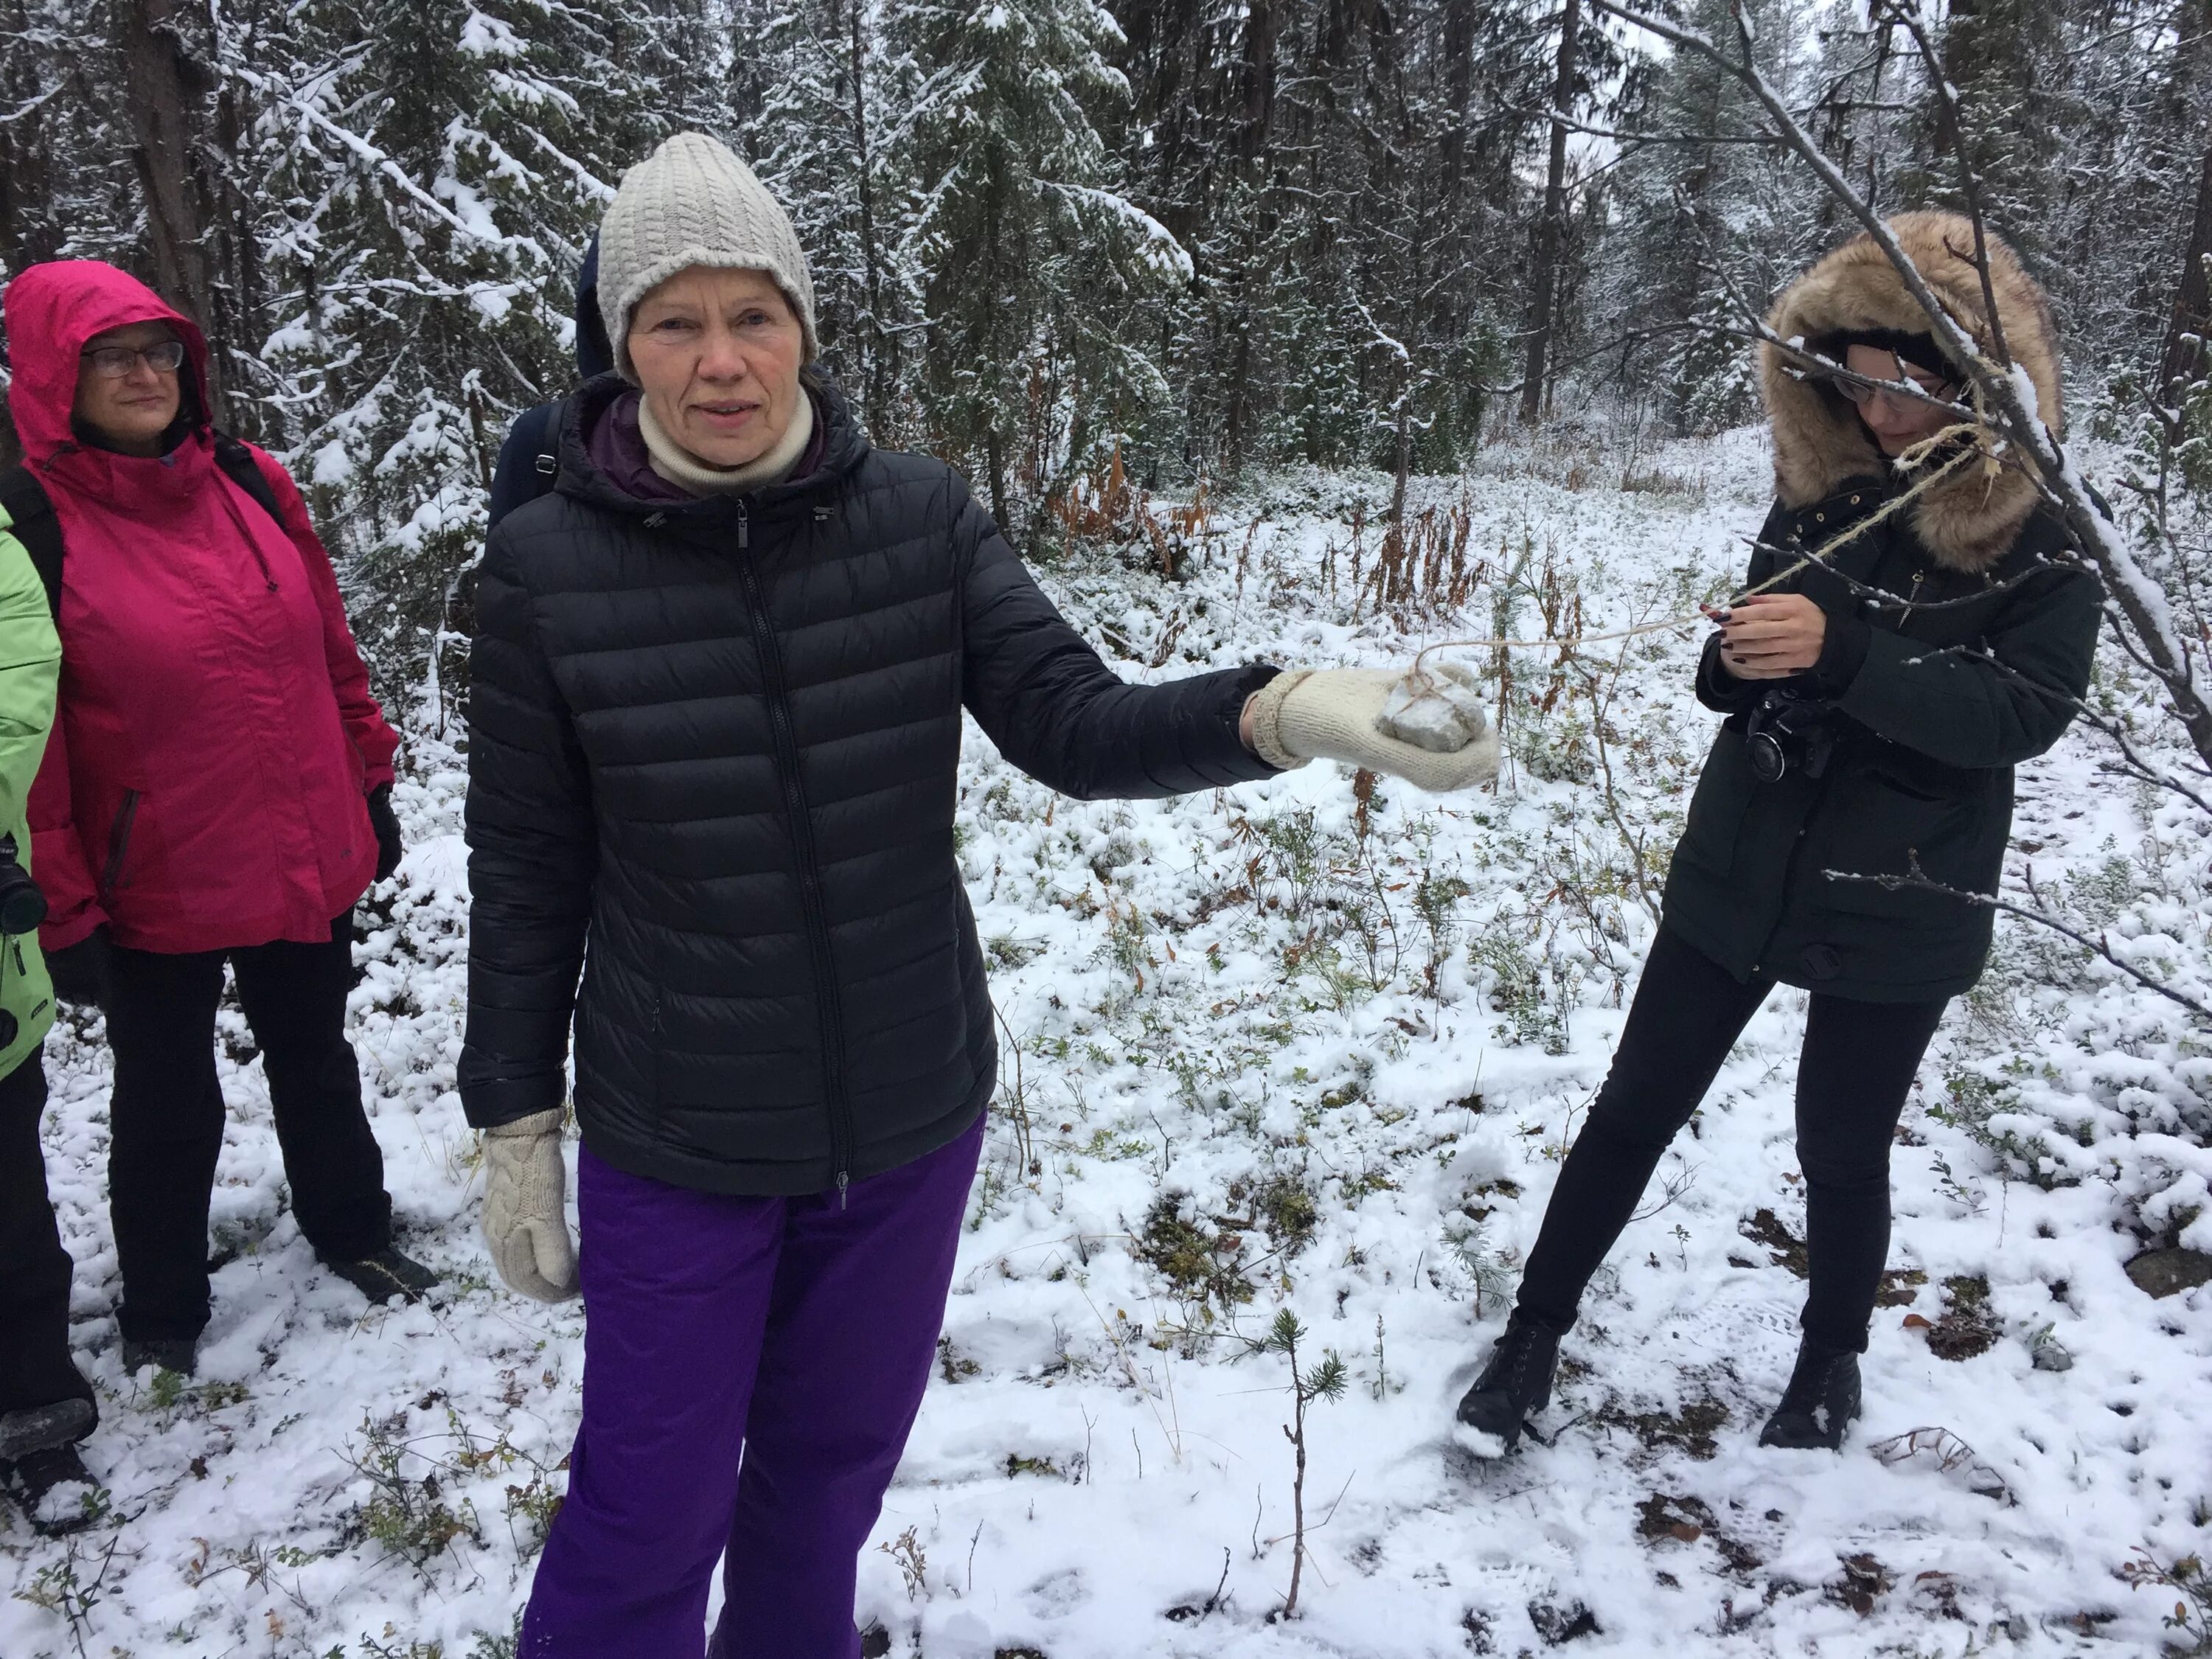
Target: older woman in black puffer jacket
{"type": "Point", "coordinates": [717, 705]}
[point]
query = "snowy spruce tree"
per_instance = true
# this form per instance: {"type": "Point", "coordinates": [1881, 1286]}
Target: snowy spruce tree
{"type": "Point", "coordinates": [436, 170]}
{"type": "Point", "coordinates": [1038, 277]}
{"type": "Point", "coordinates": [812, 100]}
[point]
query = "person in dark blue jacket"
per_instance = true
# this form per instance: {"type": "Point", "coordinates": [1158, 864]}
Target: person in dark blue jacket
{"type": "Point", "coordinates": [1916, 624]}
{"type": "Point", "coordinates": [719, 684]}
{"type": "Point", "coordinates": [515, 479]}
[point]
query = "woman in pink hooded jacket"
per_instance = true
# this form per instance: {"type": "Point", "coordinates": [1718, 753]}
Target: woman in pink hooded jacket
{"type": "Point", "coordinates": [217, 789]}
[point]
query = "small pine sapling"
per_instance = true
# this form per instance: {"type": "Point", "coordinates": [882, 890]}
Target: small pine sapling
{"type": "Point", "coordinates": [1324, 1381]}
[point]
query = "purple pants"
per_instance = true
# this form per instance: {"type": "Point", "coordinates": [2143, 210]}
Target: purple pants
{"type": "Point", "coordinates": [792, 1331]}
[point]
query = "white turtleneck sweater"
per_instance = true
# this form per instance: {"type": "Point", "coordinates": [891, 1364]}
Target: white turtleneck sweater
{"type": "Point", "coordinates": [687, 472]}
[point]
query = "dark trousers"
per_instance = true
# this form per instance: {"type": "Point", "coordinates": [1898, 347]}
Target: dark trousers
{"type": "Point", "coordinates": [1853, 1073]}
{"type": "Point", "coordinates": [751, 1369]}
{"type": "Point", "coordinates": [35, 1367]}
{"type": "Point", "coordinates": [166, 1116]}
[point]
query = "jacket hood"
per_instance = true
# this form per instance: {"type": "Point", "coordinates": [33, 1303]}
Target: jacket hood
{"type": "Point", "coordinates": [52, 310]}
{"type": "Point", "coordinates": [1968, 521]}
{"type": "Point", "coordinates": [594, 356]}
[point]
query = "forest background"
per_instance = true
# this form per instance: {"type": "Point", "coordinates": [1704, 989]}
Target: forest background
{"type": "Point", "coordinates": [1298, 330]}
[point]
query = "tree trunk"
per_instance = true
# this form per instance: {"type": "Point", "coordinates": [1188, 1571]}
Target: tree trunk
{"type": "Point", "coordinates": [875, 387]}
{"type": "Point", "coordinates": [2185, 357]}
{"type": "Point", "coordinates": [1459, 92]}
{"type": "Point", "coordinates": [994, 452]}
{"type": "Point", "coordinates": [1550, 233]}
{"type": "Point", "coordinates": [1402, 458]}
{"type": "Point", "coordinates": [165, 89]}
{"type": "Point", "coordinates": [1259, 78]}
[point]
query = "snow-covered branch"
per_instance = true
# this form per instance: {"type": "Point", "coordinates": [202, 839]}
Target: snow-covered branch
{"type": "Point", "coordinates": [2006, 393]}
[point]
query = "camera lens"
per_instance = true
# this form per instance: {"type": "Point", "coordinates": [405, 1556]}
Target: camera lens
{"type": "Point", "coordinates": [22, 908]}
{"type": "Point", "coordinates": [1768, 762]}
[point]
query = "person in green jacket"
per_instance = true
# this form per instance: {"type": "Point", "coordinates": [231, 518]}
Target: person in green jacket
{"type": "Point", "coordinates": [1915, 624]}
{"type": "Point", "coordinates": [46, 1406]}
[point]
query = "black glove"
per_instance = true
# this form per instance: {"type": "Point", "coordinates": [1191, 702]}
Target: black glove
{"type": "Point", "coordinates": [79, 971]}
{"type": "Point", "coordinates": [386, 823]}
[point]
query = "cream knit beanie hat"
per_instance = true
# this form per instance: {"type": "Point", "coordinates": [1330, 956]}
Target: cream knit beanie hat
{"type": "Point", "coordinates": [694, 203]}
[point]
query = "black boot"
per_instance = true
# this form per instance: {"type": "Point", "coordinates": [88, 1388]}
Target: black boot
{"type": "Point", "coordinates": [1517, 1381]}
{"type": "Point", "coordinates": [179, 1354]}
{"type": "Point", "coordinates": [54, 1489]}
{"type": "Point", "coordinates": [386, 1275]}
{"type": "Point", "coordinates": [36, 1428]}
{"type": "Point", "coordinates": [1819, 1403]}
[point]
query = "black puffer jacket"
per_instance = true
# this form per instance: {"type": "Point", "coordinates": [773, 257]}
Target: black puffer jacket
{"type": "Point", "coordinates": [719, 741]}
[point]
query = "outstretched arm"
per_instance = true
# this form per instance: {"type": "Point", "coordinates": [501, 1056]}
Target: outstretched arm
{"type": "Point", "coordinates": [1056, 711]}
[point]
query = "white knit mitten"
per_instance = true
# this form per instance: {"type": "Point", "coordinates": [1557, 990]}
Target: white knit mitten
{"type": "Point", "coordinates": [1332, 714]}
{"type": "Point", "coordinates": [524, 1209]}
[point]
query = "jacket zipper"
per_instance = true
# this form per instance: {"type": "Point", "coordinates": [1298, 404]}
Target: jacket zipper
{"type": "Point", "coordinates": [1918, 577]}
{"type": "Point", "coordinates": [1790, 867]}
{"type": "Point", "coordinates": [119, 847]}
{"type": "Point", "coordinates": [810, 876]}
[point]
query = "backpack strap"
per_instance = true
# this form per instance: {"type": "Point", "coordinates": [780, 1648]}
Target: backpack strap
{"type": "Point", "coordinates": [33, 522]}
{"type": "Point", "coordinates": [545, 443]}
{"type": "Point", "coordinates": [529, 464]}
{"type": "Point", "coordinates": [236, 458]}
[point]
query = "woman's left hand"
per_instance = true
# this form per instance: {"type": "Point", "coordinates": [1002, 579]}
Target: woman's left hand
{"type": "Point", "coordinates": [1771, 637]}
{"type": "Point", "coordinates": [386, 823]}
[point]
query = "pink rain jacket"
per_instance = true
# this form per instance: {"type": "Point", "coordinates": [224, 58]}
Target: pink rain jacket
{"type": "Point", "coordinates": [205, 785]}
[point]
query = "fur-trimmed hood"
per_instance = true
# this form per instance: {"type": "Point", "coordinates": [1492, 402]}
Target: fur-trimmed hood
{"type": "Point", "coordinates": [1968, 521]}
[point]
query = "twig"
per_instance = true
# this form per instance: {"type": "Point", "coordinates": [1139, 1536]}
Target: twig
{"type": "Point", "coordinates": [1969, 184]}
{"type": "Point", "coordinates": [1916, 881]}
{"type": "Point", "coordinates": [2174, 659]}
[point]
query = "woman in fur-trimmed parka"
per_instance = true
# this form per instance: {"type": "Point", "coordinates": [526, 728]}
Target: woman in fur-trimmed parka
{"type": "Point", "coordinates": [1877, 699]}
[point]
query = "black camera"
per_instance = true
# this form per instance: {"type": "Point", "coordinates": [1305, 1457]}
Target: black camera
{"type": "Point", "coordinates": [1787, 733]}
{"type": "Point", "coordinates": [22, 906]}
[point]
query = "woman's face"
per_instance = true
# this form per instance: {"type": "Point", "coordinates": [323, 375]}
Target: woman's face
{"type": "Point", "coordinates": [1897, 423]}
{"type": "Point", "coordinates": [132, 409]}
{"type": "Point", "coordinates": [717, 354]}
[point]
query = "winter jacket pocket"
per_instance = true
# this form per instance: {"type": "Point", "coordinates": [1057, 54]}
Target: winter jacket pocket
{"type": "Point", "coordinates": [119, 847]}
{"type": "Point", "coordinates": [1882, 827]}
{"type": "Point", "coordinates": [1717, 809]}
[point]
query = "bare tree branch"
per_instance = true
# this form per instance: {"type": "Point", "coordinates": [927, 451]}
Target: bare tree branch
{"type": "Point", "coordinates": [1917, 881]}
{"type": "Point", "coordinates": [2007, 396]}
{"type": "Point", "coordinates": [1970, 183]}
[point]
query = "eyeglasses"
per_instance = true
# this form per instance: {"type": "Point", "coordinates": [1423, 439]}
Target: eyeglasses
{"type": "Point", "coordinates": [1863, 395]}
{"type": "Point", "coordinates": [113, 362]}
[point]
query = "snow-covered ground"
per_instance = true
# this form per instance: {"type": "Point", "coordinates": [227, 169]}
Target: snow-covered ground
{"type": "Point", "coordinates": [1265, 1053]}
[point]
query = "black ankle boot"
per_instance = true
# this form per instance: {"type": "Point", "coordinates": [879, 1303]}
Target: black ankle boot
{"type": "Point", "coordinates": [39, 1428]}
{"type": "Point", "coordinates": [179, 1354]}
{"type": "Point", "coordinates": [54, 1489]}
{"type": "Point", "coordinates": [1517, 1381]}
{"type": "Point", "coordinates": [1819, 1403]}
{"type": "Point", "coordinates": [386, 1276]}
